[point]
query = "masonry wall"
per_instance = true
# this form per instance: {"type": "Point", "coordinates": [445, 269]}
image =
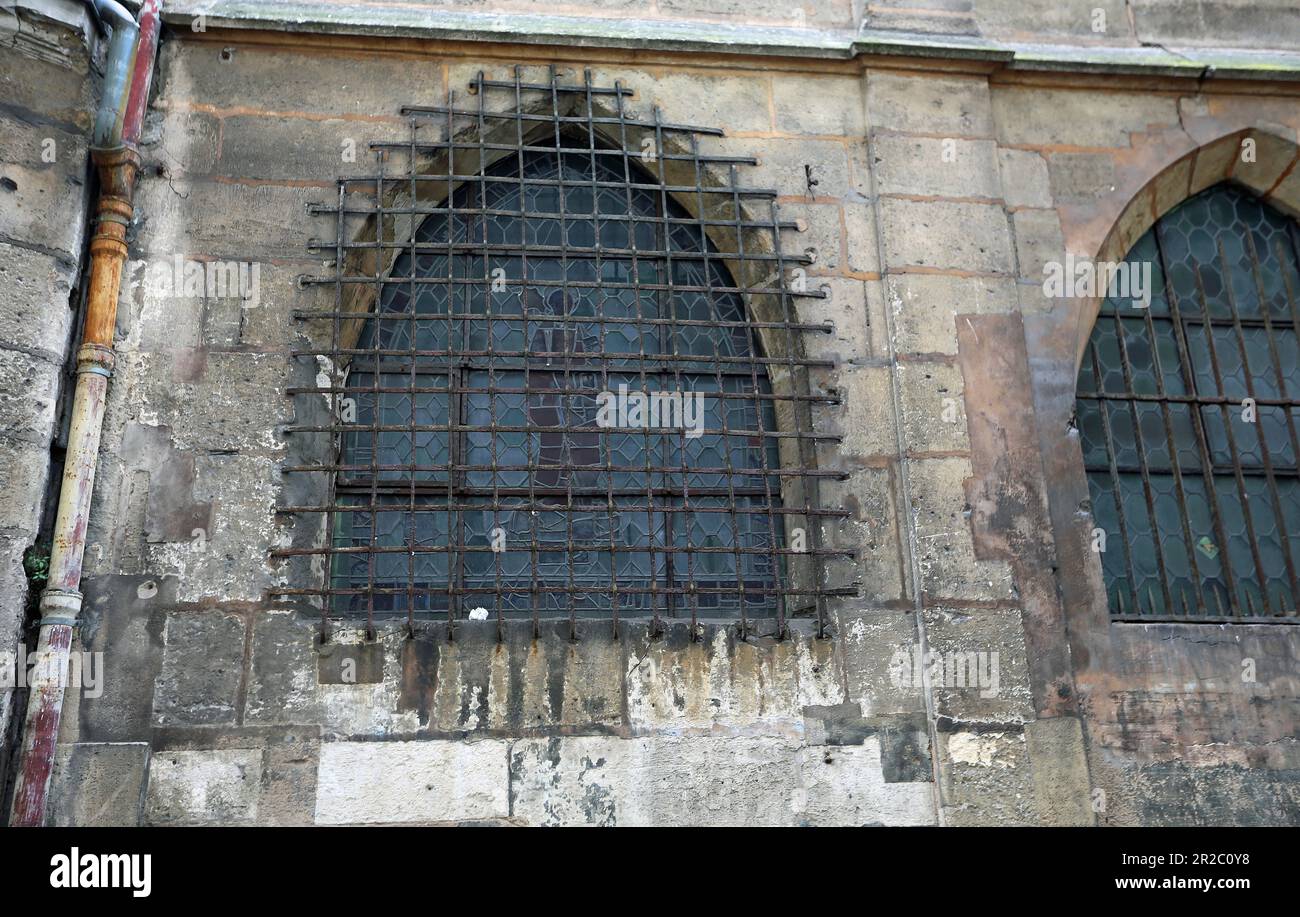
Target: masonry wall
{"type": "Point", "coordinates": [939, 191]}
{"type": "Point", "coordinates": [46, 100]}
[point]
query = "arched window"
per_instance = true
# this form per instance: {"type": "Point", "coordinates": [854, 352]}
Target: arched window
{"type": "Point", "coordinates": [561, 396]}
{"type": "Point", "coordinates": [564, 374]}
{"type": "Point", "coordinates": [1187, 410]}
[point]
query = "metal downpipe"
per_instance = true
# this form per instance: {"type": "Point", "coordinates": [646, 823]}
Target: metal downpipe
{"type": "Point", "coordinates": [127, 78]}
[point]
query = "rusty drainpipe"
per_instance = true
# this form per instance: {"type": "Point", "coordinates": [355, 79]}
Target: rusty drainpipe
{"type": "Point", "coordinates": [127, 76]}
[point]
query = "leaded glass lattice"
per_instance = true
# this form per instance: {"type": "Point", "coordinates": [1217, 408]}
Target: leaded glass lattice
{"type": "Point", "coordinates": [1188, 417]}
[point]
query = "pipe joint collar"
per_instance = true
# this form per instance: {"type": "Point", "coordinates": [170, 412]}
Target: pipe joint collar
{"type": "Point", "coordinates": [97, 359]}
{"type": "Point", "coordinates": [60, 606]}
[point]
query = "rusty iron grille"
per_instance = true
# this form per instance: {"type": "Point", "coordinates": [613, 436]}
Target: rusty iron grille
{"type": "Point", "coordinates": [1187, 412]}
{"type": "Point", "coordinates": [513, 281]}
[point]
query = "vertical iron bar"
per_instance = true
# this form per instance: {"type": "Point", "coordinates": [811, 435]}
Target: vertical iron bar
{"type": "Point", "coordinates": [1198, 422]}
{"type": "Point", "coordinates": [1140, 447]}
{"type": "Point", "coordinates": [1103, 410]}
{"type": "Point", "coordinates": [1265, 459]}
{"type": "Point", "coordinates": [1171, 444]}
{"type": "Point", "coordinates": [1242, 494]}
{"type": "Point", "coordinates": [414, 331]}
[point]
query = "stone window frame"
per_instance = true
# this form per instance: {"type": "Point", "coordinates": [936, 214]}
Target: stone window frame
{"type": "Point", "coordinates": [1079, 654]}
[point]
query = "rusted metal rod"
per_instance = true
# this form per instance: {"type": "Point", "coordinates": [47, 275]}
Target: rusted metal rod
{"type": "Point", "coordinates": [118, 163]}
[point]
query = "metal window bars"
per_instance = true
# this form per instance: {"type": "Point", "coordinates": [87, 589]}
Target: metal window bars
{"type": "Point", "coordinates": [1188, 414]}
{"type": "Point", "coordinates": [511, 283]}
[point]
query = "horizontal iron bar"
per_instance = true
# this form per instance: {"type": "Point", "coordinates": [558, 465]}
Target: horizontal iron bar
{"type": "Point", "coordinates": [538, 506]}
{"type": "Point", "coordinates": [574, 151]}
{"type": "Point", "coordinates": [518, 85]}
{"type": "Point", "coordinates": [1193, 470]}
{"type": "Point", "coordinates": [519, 547]}
{"type": "Point", "coordinates": [579, 589]}
{"type": "Point", "coordinates": [1196, 318]}
{"type": "Point", "coordinates": [1205, 619]}
{"type": "Point", "coordinates": [1187, 399]}
{"type": "Point", "coordinates": [444, 317]}
{"type": "Point", "coordinates": [498, 390]}
{"type": "Point", "coordinates": [572, 252]}
{"type": "Point", "coordinates": [558, 119]}
{"type": "Point", "coordinates": [539, 428]}
{"type": "Point", "coordinates": [784, 472]}
{"type": "Point", "coordinates": [399, 179]}
{"type": "Point", "coordinates": [476, 282]}
{"type": "Point", "coordinates": [557, 355]}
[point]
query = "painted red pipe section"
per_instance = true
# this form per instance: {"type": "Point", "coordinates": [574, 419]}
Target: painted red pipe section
{"type": "Point", "coordinates": [44, 711]}
{"type": "Point", "coordinates": [61, 601]}
{"type": "Point", "coordinates": [142, 78]}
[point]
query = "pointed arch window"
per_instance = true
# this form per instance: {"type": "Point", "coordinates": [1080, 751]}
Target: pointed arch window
{"type": "Point", "coordinates": [559, 402]}
{"type": "Point", "coordinates": [1189, 412]}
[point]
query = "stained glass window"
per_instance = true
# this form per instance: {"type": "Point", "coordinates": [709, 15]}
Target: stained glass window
{"type": "Point", "coordinates": [1188, 414]}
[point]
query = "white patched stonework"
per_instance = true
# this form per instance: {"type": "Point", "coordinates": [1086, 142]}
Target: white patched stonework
{"type": "Point", "coordinates": [385, 782]}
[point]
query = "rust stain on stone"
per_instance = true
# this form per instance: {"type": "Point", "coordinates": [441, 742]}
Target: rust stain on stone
{"type": "Point", "coordinates": [1007, 494]}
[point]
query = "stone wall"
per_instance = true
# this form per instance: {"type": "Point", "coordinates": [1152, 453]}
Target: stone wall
{"type": "Point", "coordinates": [1137, 27]}
{"type": "Point", "coordinates": [940, 189]}
{"type": "Point", "coordinates": [47, 96]}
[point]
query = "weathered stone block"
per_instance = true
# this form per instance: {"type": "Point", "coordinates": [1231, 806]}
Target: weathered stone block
{"type": "Point", "coordinates": [44, 91]}
{"type": "Point", "coordinates": [1094, 20]}
{"type": "Point", "coordinates": [945, 545]}
{"type": "Point", "coordinates": [203, 653]}
{"type": "Point", "coordinates": [953, 106]}
{"type": "Point", "coordinates": [722, 683]}
{"type": "Point", "coordinates": [242, 398]}
{"type": "Point", "coordinates": [188, 142]}
{"type": "Point", "coordinates": [870, 640]}
{"type": "Point", "coordinates": [43, 207]}
{"type": "Point", "coordinates": [865, 417]}
{"type": "Point", "coordinates": [969, 237]}
{"type": "Point", "coordinates": [980, 673]}
{"type": "Point", "coordinates": [278, 79]}
{"type": "Point", "coordinates": [226, 220]}
{"type": "Point", "coordinates": [934, 414]}
{"type": "Point", "coordinates": [431, 781]}
{"type": "Point", "coordinates": [270, 148]}
{"type": "Point", "coordinates": [985, 779]}
{"type": "Point", "coordinates": [1081, 177]}
{"type": "Point", "coordinates": [822, 238]}
{"type": "Point", "coordinates": [598, 780]}
{"type": "Point", "coordinates": [860, 243]}
{"type": "Point", "coordinates": [208, 787]}
{"type": "Point", "coordinates": [24, 469]}
{"type": "Point", "coordinates": [836, 13]}
{"type": "Point", "coordinates": [1036, 116]}
{"type": "Point", "coordinates": [35, 312]}
{"type": "Point", "coordinates": [925, 307]}
{"type": "Point", "coordinates": [732, 102]}
{"type": "Point", "coordinates": [819, 105]}
{"type": "Point", "coordinates": [790, 165]}
{"type": "Point", "coordinates": [98, 784]}
{"type": "Point", "coordinates": [1039, 241]}
{"type": "Point", "coordinates": [845, 306]}
{"type": "Point", "coordinates": [846, 786]}
{"type": "Point", "coordinates": [1225, 23]}
{"type": "Point", "coordinates": [873, 532]}
{"type": "Point", "coordinates": [1060, 766]}
{"type": "Point", "coordinates": [934, 166]}
{"type": "Point", "coordinates": [1025, 180]}
{"type": "Point", "coordinates": [29, 391]}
